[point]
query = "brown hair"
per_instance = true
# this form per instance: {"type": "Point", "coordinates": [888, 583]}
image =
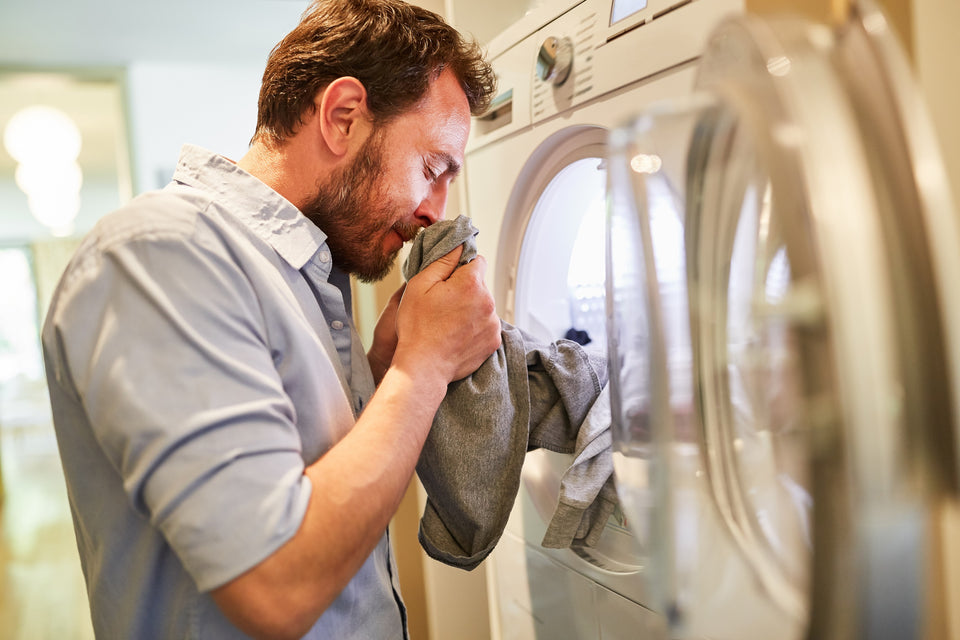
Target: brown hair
{"type": "Point", "coordinates": [395, 49]}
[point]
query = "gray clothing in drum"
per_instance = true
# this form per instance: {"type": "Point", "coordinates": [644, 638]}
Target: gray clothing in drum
{"type": "Point", "coordinates": [528, 394]}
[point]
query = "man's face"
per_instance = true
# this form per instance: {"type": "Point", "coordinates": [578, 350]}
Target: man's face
{"type": "Point", "coordinates": [355, 219]}
{"type": "Point", "coordinates": [396, 184]}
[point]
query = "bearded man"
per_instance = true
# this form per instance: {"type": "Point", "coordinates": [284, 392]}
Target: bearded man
{"type": "Point", "coordinates": [232, 456]}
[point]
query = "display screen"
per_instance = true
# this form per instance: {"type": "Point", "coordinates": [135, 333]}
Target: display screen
{"type": "Point", "coordinates": [626, 8]}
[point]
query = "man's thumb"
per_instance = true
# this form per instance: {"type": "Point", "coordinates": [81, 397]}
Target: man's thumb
{"type": "Point", "coordinates": [444, 266]}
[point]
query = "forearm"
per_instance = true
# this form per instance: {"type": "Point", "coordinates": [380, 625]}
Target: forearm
{"type": "Point", "coordinates": [357, 487]}
{"type": "Point", "coordinates": [445, 328]}
{"type": "Point", "coordinates": [363, 479]}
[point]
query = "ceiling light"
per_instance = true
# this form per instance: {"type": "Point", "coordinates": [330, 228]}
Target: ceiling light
{"type": "Point", "coordinates": [41, 133]}
{"type": "Point", "coordinates": [36, 177]}
{"type": "Point", "coordinates": [45, 142]}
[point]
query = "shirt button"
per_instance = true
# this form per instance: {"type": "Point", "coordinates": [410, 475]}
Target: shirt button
{"type": "Point", "coordinates": [337, 325]}
{"type": "Point", "coordinates": [324, 256]}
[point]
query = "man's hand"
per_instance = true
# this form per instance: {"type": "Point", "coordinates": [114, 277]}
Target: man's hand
{"type": "Point", "coordinates": [446, 322]}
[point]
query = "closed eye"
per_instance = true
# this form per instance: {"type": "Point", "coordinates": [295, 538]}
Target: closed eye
{"type": "Point", "coordinates": [438, 164]}
{"type": "Point", "coordinates": [430, 173]}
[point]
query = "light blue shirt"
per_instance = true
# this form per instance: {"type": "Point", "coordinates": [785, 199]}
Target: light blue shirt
{"type": "Point", "coordinates": [200, 352]}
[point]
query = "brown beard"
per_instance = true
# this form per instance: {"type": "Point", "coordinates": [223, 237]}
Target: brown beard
{"type": "Point", "coordinates": [346, 210]}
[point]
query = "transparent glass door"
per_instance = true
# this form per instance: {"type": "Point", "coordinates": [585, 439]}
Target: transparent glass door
{"type": "Point", "coordinates": [781, 347]}
{"type": "Point", "coordinates": [560, 294]}
{"type": "Point", "coordinates": [686, 351]}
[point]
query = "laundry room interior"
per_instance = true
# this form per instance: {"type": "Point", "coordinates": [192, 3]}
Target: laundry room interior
{"type": "Point", "coordinates": [748, 210]}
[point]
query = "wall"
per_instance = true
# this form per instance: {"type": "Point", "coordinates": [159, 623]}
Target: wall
{"type": "Point", "coordinates": [172, 104]}
{"type": "Point", "coordinates": [166, 105]}
{"type": "Point", "coordinates": [936, 52]}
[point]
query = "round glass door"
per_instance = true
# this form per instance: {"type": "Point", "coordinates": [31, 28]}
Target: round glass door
{"type": "Point", "coordinates": [552, 242]}
{"type": "Point", "coordinates": [798, 421]}
{"type": "Point", "coordinates": [748, 315]}
{"type": "Point", "coordinates": [704, 461]}
{"type": "Point", "coordinates": [560, 275]}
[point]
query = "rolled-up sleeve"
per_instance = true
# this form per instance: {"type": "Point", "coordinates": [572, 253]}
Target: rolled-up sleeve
{"type": "Point", "coordinates": [168, 351]}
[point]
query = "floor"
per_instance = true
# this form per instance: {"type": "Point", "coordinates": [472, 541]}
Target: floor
{"type": "Point", "coordinates": [42, 592]}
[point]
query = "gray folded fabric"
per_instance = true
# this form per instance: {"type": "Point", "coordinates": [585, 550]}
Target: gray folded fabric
{"type": "Point", "coordinates": [587, 493]}
{"type": "Point", "coordinates": [438, 240]}
{"type": "Point", "coordinates": [529, 394]}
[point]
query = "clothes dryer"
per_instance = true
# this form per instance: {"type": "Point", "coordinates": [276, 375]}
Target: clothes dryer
{"type": "Point", "coordinates": [783, 332]}
{"type": "Point", "coordinates": [535, 183]}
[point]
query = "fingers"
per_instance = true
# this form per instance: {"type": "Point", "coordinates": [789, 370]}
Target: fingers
{"type": "Point", "coordinates": [443, 267]}
{"type": "Point", "coordinates": [447, 322]}
{"type": "Point", "coordinates": [476, 268]}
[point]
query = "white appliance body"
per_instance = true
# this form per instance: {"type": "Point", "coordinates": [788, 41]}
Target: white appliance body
{"type": "Point", "coordinates": [535, 186]}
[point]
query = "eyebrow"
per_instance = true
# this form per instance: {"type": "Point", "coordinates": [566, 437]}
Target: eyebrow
{"type": "Point", "coordinates": [452, 165]}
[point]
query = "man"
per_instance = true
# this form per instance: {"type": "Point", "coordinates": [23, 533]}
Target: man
{"type": "Point", "coordinates": [230, 469]}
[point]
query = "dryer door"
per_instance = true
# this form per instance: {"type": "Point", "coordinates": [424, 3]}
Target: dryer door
{"type": "Point", "coordinates": [551, 259]}
{"type": "Point", "coordinates": [782, 336]}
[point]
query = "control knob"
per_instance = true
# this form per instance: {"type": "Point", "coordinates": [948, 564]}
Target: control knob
{"type": "Point", "coordinates": [555, 60]}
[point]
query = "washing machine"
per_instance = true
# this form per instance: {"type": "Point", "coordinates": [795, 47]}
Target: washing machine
{"type": "Point", "coordinates": [534, 184]}
{"type": "Point", "coordinates": [783, 318]}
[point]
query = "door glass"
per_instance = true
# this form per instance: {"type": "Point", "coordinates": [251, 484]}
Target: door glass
{"type": "Point", "coordinates": [747, 355]}
{"type": "Point", "coordinates": [810, 209]}
{"type": "Point", "coordinates": [710, 463]}
{"type": "Point", "coordinates": [560, 293]}
{"type": "Point", "coordinates": [657, 455]}
{"type": "Point", "coordinates": [560, 276]}
{"type": "Point", "coordinates": [762, 383]}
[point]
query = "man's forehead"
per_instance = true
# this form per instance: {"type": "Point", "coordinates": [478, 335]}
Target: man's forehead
{"type": "Point", "coordinates": [441, 122]}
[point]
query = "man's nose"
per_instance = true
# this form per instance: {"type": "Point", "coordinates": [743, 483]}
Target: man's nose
{"type": "Point", "coordinates": [433, 207]}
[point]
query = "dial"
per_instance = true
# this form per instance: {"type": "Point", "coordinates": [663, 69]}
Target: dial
{"type": "Point", "coordinates": [555, 60]}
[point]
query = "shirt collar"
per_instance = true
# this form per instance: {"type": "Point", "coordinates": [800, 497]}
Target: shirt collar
{"type": "Point", "coordinates": [264, 211]}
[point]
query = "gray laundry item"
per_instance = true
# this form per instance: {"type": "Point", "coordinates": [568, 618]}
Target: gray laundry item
{"type": "Point", "coordinates": [587, 493]}
{"type": "Point", "coordinates": [528, 394]}
{"type": "Point", "coordinates": [438, 240]}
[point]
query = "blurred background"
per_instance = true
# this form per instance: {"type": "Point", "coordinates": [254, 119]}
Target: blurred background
{"type": "Point", "coordinates": [96, 98]}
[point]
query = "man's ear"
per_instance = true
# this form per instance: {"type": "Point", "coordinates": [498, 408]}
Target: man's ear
{"type": "Point", "coordinates": [343, 115]}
